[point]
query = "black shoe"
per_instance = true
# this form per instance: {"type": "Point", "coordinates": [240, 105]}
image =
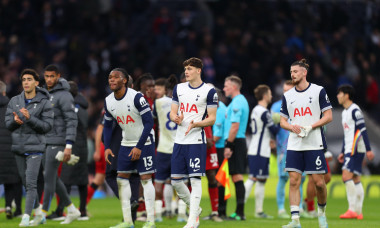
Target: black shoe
{"type": "Point", "coordinates": [56, 216]}
{"type": "Point", "coordinates": [17, 213]}
{"type": "Point", "coordinates": [8, 213]}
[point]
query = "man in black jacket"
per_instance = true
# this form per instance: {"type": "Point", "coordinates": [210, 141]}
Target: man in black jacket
{"type": "Point", "coordinates": [8, 168]}
{"type": "Point", "coordinates": [29, 117]}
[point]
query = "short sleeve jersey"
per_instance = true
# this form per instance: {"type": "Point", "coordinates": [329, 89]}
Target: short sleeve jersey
{"type": "Point", "coordinates": [127, 112]}
{"type": "Point", "coordinates": [193, 102]}
{"type": "Point", "coordinates": [261, 120]}
{"type": "Point", "coordinates": [237, 112]}
{"type": "Point", "coordinates": [305, 108]}
{"type": "Point", "coordinates": [218, 127]}
{"type": "Point", "coordinates": [352, 117]}
{"type": "Point", "coordinates": [161, 111]}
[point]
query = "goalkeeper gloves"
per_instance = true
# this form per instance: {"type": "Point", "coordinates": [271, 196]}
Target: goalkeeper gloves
{"type": "Point", "coordinates": [73, 159]}
{"type": "Point", "coordinates": [305, 131]}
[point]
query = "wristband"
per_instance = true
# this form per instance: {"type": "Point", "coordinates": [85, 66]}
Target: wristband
{"type": "Point", "coordinates": [228, 144]}
{"type": "Point", "coordinates": [69, 146]}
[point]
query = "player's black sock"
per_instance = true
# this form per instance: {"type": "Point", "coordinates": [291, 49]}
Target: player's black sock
{"type": "Point", "coordinates": [111, 181]}
{"type": "Point", "coordinates": [94, 186]}
{"type": "Point", "coordinates": [222, 203]}
{"type": "Point", "coordinates": [82, 199]}
{"type": "Point", "coordinates": [240, 194]}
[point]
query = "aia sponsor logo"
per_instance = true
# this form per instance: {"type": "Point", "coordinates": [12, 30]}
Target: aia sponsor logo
{"type": "Point", "coordinates": [188, 108]}
{"type": "Point", "coordinates": [125, 119]}
{"type": "Point", "coordinates": [302, 112]}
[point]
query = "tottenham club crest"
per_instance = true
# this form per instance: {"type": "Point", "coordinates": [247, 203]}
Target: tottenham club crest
{"type": "Point", "coordinates": [215, 98]}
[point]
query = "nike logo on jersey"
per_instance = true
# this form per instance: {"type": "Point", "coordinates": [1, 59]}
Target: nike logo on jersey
{"type": "Point", "coordinates": [112, 109]}
{"type": "Point", "coordinates": [318, 168]}
{"type": "Point", "coordinates": [292, 102]}
{"type": "Point", "coordinates": [53, 147]}
{"type": "Point", "coordinates": [195, 170]}
{"type": "Point", "coordinates": [148, 168]}
{"type": "Point", "coordinates": [34, 156]}
{"type": "Point", "coordinates": [180, 95]}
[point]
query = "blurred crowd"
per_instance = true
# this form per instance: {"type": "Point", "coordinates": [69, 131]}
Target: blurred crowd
{"type": "Point", "coordinates": [257, 40]}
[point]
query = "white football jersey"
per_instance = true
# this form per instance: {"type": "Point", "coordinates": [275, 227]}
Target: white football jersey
{"type": "Point", "coordinates": [304, 108]}
{"type": "Point", "coordinates": [193, 102]}
{"type": "Point", "coordinates": [161, 111]}
{"type": "Point", "coordinates": [127, 112]}
{"type": "Point", "coordinates": [261, 120]}
{"type": "Point", "coordinates": [351, 119]}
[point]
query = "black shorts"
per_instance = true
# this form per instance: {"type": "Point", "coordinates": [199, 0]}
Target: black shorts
{"type": "Point", "coordinates": [238, 161]}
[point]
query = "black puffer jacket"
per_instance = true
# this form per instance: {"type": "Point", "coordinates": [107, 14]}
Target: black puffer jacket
{"type": "Point", "coordinates": [8, 166]}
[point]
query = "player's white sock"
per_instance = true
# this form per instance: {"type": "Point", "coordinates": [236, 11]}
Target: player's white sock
{"type": "Point", "coordinates": [195, 199]}
{"type": "Point", "coordinates": [259, 196]}
{"type": "Point", "coordinates": [168, 196]}
{"type": "Point", "coordinates": [181, 207]}
{"type": "Point", "coordinates": [351, 194]}
{"type": "Point", "coordinates": [295, 211]}
{"type": "Point", "coordinates": [149, 196]}
{"type": "Point", "coordinates": [321, 209]}
{"type": "Point", "coordinates": [359, 197]}
{"type": "Point", "coordinates": [158, 208]}
{"type": "Point", "coordinates": [71, 208]}
{"type": "Point", "coordinates": [125, 198]}
{"type": "Point", "coordinates": [182, 191]}
{"type": "Point", "coordinates": [248, 184]}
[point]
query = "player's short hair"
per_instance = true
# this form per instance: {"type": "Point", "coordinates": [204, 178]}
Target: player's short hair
{"type": "Point", "coordinates": [260, 91]}
{"type": "Point", "coordinates": [302, 63]}
{"type": "Point", "coordinates": [32, 72]}
{"type": "Point", "coordinates": [73, 88]}
{"type": "Point", "coordinates": [195, 62]}
{"type": "Point", "coordinates": [160, 82]}
{"type": "Point", "coordinates": [171, 82]}
{"type": "Point", "coordinates": [3, 87]}
{"type": "Point", "coordinates": [141, 79]}
{"type": "Point", "coordinates": [235, 79]}
{"type": "Point", "coordinates": [123, 72]}
{"type": "Point", "coordinates": [288, 82]}
{"type": "Point", "coordinates": [347, 89]}
{"type": "Point", "coordinates": [52, 67]}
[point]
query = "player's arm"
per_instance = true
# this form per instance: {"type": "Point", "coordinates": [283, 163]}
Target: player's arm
{"type": "Point", "coordinates": [147, 119]}
{"type": "Point", "coordinates": [45, 123]}
{"type": "Point", "coordinates": [267, 119]}
{"type": "Point", "coordinates": [107, 133]}
{"type": "Point", "coordinates": [174, 109]}
{"type": "Point", "coordinates": [11, 116]}
{"type": "Point", "coordinates": [217, 128]}
{"type": "Point", "coordinates": [66, 104]}
{"type": "Point", "coordinates": [341, 155]}
{"type": "Point", "coordinates": [209, 120]}
{"type": "Point", "coordinates": [357, 116]}
{"type": "Point", "coordinates": [98, 139]}
{"type": "Point", "coordinates": [326, 118]}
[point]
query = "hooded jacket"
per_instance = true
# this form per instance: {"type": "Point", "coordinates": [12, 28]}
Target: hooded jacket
{"type": "Point", "coordinates": [65, 118]}
{"type": "Point", "coordinates": [29, 137]}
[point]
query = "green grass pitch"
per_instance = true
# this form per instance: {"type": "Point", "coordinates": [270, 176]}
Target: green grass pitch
{"type": "Point", "coordinates": [107, 212]}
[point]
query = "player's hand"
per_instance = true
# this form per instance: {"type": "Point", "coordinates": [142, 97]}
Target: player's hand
{"type": "Point", "coordinates": [135, 153]}
{"type": "Point", "coordinates": [17, 119]}
{"type": "Point", "coordinates": [227, 153]}
{"type": "Point", "coordinates": [370, 155]}
{"type": "Point", "coordinates": [96, 155]}
{"type": "Point", "coordinates": [66, 155]}
{"type": "Point", "coordinates": [305, 131]}
{"type": "Point", "coordinates": [328, 156]}
{"type": "Point", "coordinates": [25, 112]}
{"type": "Point", "coordinates": [209, 143]}
{"type": "Point", "coordinates": [296, 129]}
{"type": "Point", "coordinates": [191, 126]}
{"type": "Point", "coordinates": [178, 118]}
{"type": "Point", "coordinates": [106, 153]}
{"type": "Point", "coordinates": [341, 158]}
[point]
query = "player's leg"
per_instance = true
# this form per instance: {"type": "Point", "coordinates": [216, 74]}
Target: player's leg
{"type": "Point", "coordinates": [250, 182]}
{"type": "Point", "coordinates": [316, 166]}
{"type": "Point", "coordinates": [168, 197]}
{"type": "Point", "coordinates": [125, 168]}
{"type": "Point", "coordinates": [162, 174]}
{"type": "Point", "coordinates": [294, 166]}
{"type": "Point", "coordinates": [146, 167]}
{"type": "Point", "coordinates": [222, 203]}
{"type": "Point", "coordinates": [237, 165]}
{"type": "Point", "coordinates": [213, 193]}
{"type": "Point", "coordinates": [359, 197]}
{"type": "Point", "coordinates": [111, 176]}
{"type": "Point", "coordinates": [100, 175]}
{"type": "Point", "coordinates": [347, 177]}
{"type": "Point", "coordinates": [280, 190]}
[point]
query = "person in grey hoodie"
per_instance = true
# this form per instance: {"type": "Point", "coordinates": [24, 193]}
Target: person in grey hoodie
{"type": "Point", "coordinates": [29, 117]}
{"type": "Point", "coordinates": [60, 138]}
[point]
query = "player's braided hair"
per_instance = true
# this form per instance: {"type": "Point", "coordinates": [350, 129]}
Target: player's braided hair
{"type": "Point", "coordinates": [302, 63]}
{"type": "Point", "coordinates": [171, 82]}
{"type": "Point", "coordinates": [124, 72]}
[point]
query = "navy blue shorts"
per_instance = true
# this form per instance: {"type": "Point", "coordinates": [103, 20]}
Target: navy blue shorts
{"type": "Point", "coordinates": [258, 166]}
{"type": "Point", "coordinates": [163, 164]}
{"type": "Point", "coordinates": [310, 161]}
{"type": "Point", "coordinates": [145, 165]}
{"type": "Point", "coordinates": [353, 163]}
{"type": "Point", "coordinates": [188, 160]}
